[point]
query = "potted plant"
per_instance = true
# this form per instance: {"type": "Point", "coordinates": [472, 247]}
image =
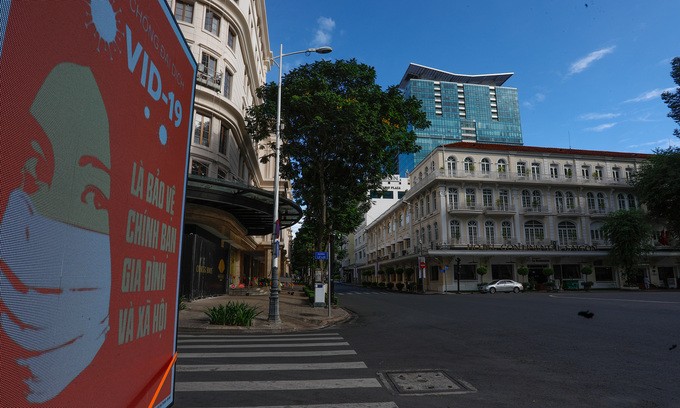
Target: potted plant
{"type": "Point", "coordinates": [390, 285]}
{"type": "Point", "coordinates": [523, 271]}
{"type": "Point", "coordinates": [481, 271]}
{"type": "Point", "coordinates": [587, 270]}
{"type": "Point", "coordinates": [400, 286]}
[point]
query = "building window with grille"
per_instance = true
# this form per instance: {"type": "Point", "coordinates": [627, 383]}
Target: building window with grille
{"type": "Point", "coordinates": [506, 230]}
{"type": "Point", "coordinates": [521, 169]}
{"type": "Point", "coordinates": [228, 80]}
{"type": "Point", "coordinates": [536, 200]}
{"type": "Point", "coordinates": [473, 232]}
{"type": "Point", "coordinates": [526, 199]}
{"type": "Point", "coordinates": [453, 198]}
{"type": "Point", "coordinates": [209, 64]}
{"type": "Point", "coordinates": [224, 137]}
{"type": "Point", "coordinates": [454, 226]}
{"type": "Point", "coordinates": [231, 38]}
{"type": "Point", "coordinates": [503, 200]}
{"type": "Point", "coordinates": [490, 232]}
{"type": "Point", "coordinates": [468, 165]}
{"type": "Point", "coordinates": [487, 198]}
{"type": "Point", "coordinates": [502, 168]}
{"type": "Point", "coordinates": [451, 166]}
{"type": "Point", "coordinates": [533, 232]}
{"type": "Point", "coordinates": [201, 129]}
{"type": "Point", "coordinates": [199, 168]}
{"type": "Point", "coordinates": [590, 200]}
{"type": "Point", "coordinates": [601, 202]}
{"type": "Point", "coordinates": [559, 201]}
{"type": "Point", "coordinates": [470, 198]}
{"type": "Point", "coordinates": [485, 166]}
{"type": "Point", "coordinates": [622, 201]}
{"type": "Point", "coordinates": [566, 233]}
{"type": "Point", "coordinates": [570, 201]}
{"type": "Point", "coordinates": [631, 202]}
{"type": "Point", "coordinates": [212, 22]}
{"type": "Point", "coordinates": [184, 12]}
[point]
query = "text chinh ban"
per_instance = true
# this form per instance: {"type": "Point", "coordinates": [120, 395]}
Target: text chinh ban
{"type": "Point", "coordinates": [146, 275]}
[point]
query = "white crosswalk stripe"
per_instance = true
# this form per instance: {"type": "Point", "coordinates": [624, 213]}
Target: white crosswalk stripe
{"type": "Point", "coordinates": [260, 369]}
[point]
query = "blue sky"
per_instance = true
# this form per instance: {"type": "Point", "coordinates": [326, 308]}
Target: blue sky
{"type": "Point", "coordinates": [589, 72]}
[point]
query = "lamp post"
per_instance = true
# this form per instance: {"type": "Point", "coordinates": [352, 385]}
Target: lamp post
{"type": "Point", "coordinates": [274, 316]}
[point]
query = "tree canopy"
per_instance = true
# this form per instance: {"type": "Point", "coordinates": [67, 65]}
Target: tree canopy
{"type": "Point", "coordinates": [656, 185]}
{"type": "Point", "coordinates": [630, 233]}
{"type": "Point", "coordinates": [341, 134]}
{"type": "Point", "coordinates": [672, 99]}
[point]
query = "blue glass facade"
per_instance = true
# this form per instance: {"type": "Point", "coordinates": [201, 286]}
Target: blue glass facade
{"type": "Point", "coordinates": [462, 111]}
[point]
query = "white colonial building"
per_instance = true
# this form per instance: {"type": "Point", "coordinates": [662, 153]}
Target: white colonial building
{"type": "Point", "coordinates": [229, 204]}
{"type": "Point", "coordinates": [506, 207]}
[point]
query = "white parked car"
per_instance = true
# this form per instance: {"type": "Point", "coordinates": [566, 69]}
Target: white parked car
{"type": "Point", "coordinates": [502, 285]}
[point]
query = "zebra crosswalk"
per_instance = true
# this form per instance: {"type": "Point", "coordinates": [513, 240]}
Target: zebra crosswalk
{"type": "Point", "coordinates": [302, 370]}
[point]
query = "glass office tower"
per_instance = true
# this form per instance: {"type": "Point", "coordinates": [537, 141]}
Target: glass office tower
{"type": "Point", "coordinates": [475, 108]}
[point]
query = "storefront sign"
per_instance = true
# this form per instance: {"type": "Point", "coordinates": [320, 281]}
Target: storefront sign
{"type": "Point", "coordinates": [527, 247]}
{"type": "Point", "coordinates": [96, 100]}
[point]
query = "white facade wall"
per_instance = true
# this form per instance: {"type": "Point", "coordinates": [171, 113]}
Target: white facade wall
{"type": "Point", "coordinates": [547, 218]}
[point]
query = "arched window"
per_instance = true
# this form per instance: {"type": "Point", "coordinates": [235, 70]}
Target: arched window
{"type": "Point", "coordinates": [503, 200]}
{"type": "Point", "coordinates": [453, 198]}
{"type": "Point", "coordinates": [506, 230]}
{"type": "Point", "coordinates": [470, 198]}
{"type": "Point", "coordinates": [622, 201]}
{"type": "Point", "coordinates": [559, 201]}
{"type": "Point", "coordinates": [436, 232]}
{"type": "Point", "coordinates": [526, 199]}
{"type": "Point", "coordinates": [566, 233]}
{"type": "Point", "coordinates": [485, 166]}
{"type": "Point", "coordinates": [468, 165]}
{"type": "Point", "coordinates": [490, 232]}
{"type": "Point", "coordinates": [502, 167]}
{"type": "Point", "coordinates": [631, 202]}
{"type": "Point", "coordinates": [533, 232]}
{"type": "Point", "coordinates": [596, 235]}
{"type": "Point", "coordinates": [601, 203]}
{"type": "Point", "coordinates": [454, 227]}
{"type": "Point", "coordinates": [590, 199]}
{"type": "Point", "coordinates": [451, 166]}
{"type": "Point", "coordinates": [570, 200]}
{"type": "Point", "coordinates": [472, 232]}
{"type": "Point", "coordinates": [536, 199]}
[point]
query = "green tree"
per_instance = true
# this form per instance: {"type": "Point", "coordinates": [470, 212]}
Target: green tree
{"type": "Point", "coordinates": [630, 234]}
{"type": "Point", "coordinates": [341, 134]}
{"type": "Point", "coordinates": [672, 99]}
{"type": "Point", "coordinates": [656, 185]}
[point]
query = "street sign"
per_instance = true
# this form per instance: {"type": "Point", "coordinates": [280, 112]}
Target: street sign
{"type": "Point", "coordinates": [321, 255]}
{"type": "Point", "coordinates": [422, 265]}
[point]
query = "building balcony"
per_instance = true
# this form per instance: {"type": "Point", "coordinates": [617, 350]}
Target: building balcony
{"type": "Point", "coordinates": [536, 210]}
{"type": "Point", "coordinates": [568, 211]}
{"type": "Point", "coordinates": [212, 81]}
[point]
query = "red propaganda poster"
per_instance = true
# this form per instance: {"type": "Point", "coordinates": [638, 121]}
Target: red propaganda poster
{"type": "Point", "coordinates": [95, 111]}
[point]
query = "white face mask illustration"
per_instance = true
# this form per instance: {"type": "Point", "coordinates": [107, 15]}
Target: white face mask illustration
{"type": "Point", "coordinates": [55, 262]}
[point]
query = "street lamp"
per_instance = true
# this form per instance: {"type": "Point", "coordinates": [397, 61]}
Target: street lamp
{"type": "Point", "coordinates": [274, 316]}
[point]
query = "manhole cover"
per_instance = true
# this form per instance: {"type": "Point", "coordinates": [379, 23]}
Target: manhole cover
{"type": "Point", "coordinates": [427, 382]}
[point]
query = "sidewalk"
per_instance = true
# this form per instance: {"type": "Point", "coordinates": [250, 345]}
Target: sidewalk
{"type": "Point", "coordinates": [294, 309]}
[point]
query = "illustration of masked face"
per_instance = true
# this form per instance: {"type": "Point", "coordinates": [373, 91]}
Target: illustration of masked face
{"type": "Point", "coordinates": [55, 262]}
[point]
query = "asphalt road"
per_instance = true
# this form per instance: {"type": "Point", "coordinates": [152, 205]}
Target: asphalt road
{"type": "Point", "coordinates": [522, 350]}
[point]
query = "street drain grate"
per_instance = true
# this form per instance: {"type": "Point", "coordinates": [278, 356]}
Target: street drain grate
{"type": "Point", "coordinates": [426, 382]}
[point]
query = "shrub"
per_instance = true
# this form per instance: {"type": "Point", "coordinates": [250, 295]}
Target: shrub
{"type": "Point", "coordinates": [400, 286]}
{"type": "Point", "coordinates": [390, 285]}
{"type": "Point", "coordinates": [381, 285]}
{"type": "Point", "coordinates": [232, 314]}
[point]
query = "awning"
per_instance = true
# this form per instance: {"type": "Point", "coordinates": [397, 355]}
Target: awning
{"type": "Point", "coordinates": [251, 206]}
